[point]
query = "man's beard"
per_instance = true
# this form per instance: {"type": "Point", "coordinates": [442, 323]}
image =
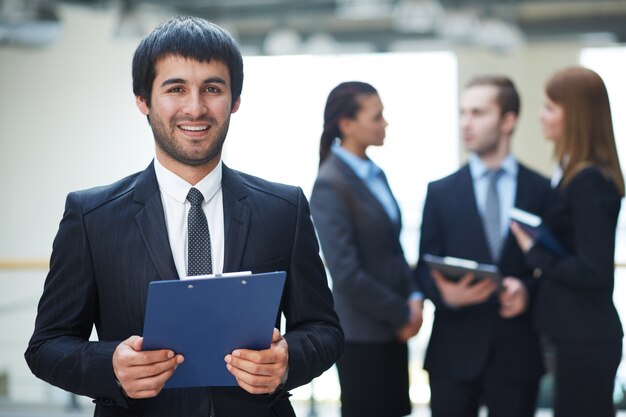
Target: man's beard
{"type": "Point", "coordinates": [167, 142]}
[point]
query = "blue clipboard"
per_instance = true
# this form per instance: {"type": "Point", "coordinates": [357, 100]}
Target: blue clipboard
{"type": "Point", "coordinates": [205, 319]}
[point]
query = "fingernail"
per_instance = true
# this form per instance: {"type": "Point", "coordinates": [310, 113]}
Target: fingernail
{"type": "Point", "coordinates": [236, 353]}
{"type": "Point", "coordinates": [170, 354]}
{"type": "Point", "coordinates": [227, 358]}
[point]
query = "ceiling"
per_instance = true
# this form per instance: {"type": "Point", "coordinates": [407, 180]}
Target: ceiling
{"type": "Point", "coordinates": [326, 26]}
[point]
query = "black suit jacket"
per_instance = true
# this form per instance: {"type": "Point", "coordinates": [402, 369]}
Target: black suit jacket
{"type": "Point", "coordinates": [575, 296]}
{"type": "Point", "coordinates": [464, 339]}
{"type": "Point", "coordinates": [113, 241]}
{"type": "Point", "coordinates": [371, 279]}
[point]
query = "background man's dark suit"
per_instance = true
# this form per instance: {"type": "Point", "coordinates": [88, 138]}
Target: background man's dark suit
{"type": "Point", "coordinates": [113, 241]}
{"type": "Point", "coordinates": [465, 339]}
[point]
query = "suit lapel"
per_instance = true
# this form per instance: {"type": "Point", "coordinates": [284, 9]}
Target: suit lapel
{"type": "Point", "coordinates": [475, 225]}
{"type": "Point", "coordinates": [236, 219]}
{"type": "Point", "coordinates": [359, 186]}
{"type": "Point", "coordinates": [151, 223]}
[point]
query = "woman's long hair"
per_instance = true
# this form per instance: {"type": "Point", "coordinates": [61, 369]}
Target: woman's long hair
{"type": "Point", "coordinates": [588, 138]}
{"type": "Point", "coordinates": [342, 103]}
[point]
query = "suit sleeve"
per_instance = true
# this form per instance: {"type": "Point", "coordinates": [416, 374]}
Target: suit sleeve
{"type": "Point", "coordinates": [59, 351]}
{"type": "Point", "coordinates": [591, 263]}
{"type": "Point", "coordinates": [332, 221]}
{"type": "Point", "coordinates": [431, 236]}
{"type": "Point", "coordinates": [313, 333]}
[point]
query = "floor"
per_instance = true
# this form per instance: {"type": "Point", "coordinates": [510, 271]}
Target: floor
{"type": "Point", "coordinates": [302, 410]}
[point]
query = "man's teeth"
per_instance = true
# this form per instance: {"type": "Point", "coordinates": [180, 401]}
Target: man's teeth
{"type": "Point", "coordinates": [194, 128]}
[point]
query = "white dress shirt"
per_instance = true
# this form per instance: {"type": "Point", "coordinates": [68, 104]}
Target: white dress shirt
{"type": "Point", "coordinates": [507, 187]}
{"type": "Point", "coordinates": [174, 192]}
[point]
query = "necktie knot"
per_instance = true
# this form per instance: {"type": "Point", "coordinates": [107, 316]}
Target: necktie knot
{"type": "Point", "coordinates": [494, 175]}
{"type": "Point", "coordinates": [195, 197]}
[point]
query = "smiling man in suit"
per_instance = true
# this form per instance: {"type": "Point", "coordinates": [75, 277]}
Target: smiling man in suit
{"type": "Point", "coordinates": [482, 344]}
{"type": "Point", "coordinates": [186, 214]}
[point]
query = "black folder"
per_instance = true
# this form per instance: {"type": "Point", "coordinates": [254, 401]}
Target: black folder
{"type": "Point", "coordinates": [205, 319]}
{"type": "Point", "coordinates": [455, 268]}
{"type": "Point", "coordinates": [534, 226]}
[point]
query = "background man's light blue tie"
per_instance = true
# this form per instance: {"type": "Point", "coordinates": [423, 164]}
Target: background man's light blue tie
{"type": "Point", "coordinates": [198, 238]}
{"type": "Point", "coordinates": [491, 216]}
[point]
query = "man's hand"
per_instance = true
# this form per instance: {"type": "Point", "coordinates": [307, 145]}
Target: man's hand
{"type": "Point", "coordinates": [142, 374]}
{"type": "Point", "coordinates": [464, 292]}
{"type": "Point", "coordinates": [415, 322]}
{"type": "Point", "coordinates": [260, 371]}
{"type": "Point", "coordinates": [513, 298]}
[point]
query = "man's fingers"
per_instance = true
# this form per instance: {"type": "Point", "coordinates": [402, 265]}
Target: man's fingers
{"type": "Point", "coordinates": [484, 289]}
{"type": "Point", "coordinates": [157, 368]}
{"type": "Point", "coordinates": [266, 387]}
{"type": "Point", "coordinates": [148, 387]}
{"type": "Point", "coordinates": [137, 343]}
{"type": "Point", "coordinates": [439, 279]}
{"type": "Point", "coordinates": [132, 342]}
{"type": "Point", "coordinates": [268, 356]}
{"type": "Point", "coordinates": [466, 280]}
{"type": "Point", "coordinates": [128, 374]}
{"type": "Point", "coordinates": [276, 336]}
{"type": "Point", "coordinates": [146, 357]}
{"type": "Point", "coordinates": [247, 355]}
{"type": "Point", "coordinates": [129, 353]}
{"type": "Point", "coordinates": [262, 380]}
{"type": "Point", "coordinates": [264, 366]}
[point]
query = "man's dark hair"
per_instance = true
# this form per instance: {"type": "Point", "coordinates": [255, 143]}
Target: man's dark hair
{"type": "Point", "coordinates": [508, 97]}
{"type": "Point", "coordinates": [191, 38]}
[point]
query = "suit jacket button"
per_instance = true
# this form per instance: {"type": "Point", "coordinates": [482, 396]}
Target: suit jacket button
{"type": "Point", "coordinates": [537, 273]}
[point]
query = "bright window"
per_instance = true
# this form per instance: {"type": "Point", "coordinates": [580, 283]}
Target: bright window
{"type": "Point", "coordinates": [276, 132]}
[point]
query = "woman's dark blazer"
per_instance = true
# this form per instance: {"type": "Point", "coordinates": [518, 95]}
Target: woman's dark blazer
{"type": "Point", "coordinates": [575, 297]}
{"type": "Point", "coordinates": [371, 278]}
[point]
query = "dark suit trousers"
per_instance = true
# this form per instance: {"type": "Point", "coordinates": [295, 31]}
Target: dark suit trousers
{"type": "Point", "coordinates": [584, 379]}
{"type": "Point", "coordinates": [374, 380]}
{"type": "Point", "coordinates": [503, 397]}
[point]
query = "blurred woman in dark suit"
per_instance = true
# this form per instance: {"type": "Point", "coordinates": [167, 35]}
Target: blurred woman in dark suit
{"type": "Point", "coordinates": [574, 306]}
{"type": "Point", "coordinates": [358, 223]}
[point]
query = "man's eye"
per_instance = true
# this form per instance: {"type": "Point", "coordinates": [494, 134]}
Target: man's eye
{"type": "Point", "coordinates": [212, 90]}
{"type": "Point", "coordinates": [175, 90]}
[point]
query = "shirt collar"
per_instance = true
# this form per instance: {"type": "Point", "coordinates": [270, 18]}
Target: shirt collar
{"type": "Point", "coordinates": [478, 169]}
{"type": "Point", "coordinates": [177, 188]}
{"type": "Point", "coordinates": [363, 168]}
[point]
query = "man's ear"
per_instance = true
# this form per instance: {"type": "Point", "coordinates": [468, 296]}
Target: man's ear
{"type": "Point", "coordinates": [236, 105]}
{"type": "Point", "coordinates": [509, 120]}
{"type": "Point", "coordinates": [142, 105]}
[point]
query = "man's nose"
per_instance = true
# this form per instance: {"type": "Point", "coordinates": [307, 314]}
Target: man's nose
{"type": "Point", "coordinates": [195, 106]}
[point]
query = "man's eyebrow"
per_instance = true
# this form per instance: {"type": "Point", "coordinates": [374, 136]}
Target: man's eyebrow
{"type": "Point", "coordinates": [218, 80]}
{"type": "Point", "coordinates": [171, 81]}
{"type": "Point", "coordinates": [210, 80]}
